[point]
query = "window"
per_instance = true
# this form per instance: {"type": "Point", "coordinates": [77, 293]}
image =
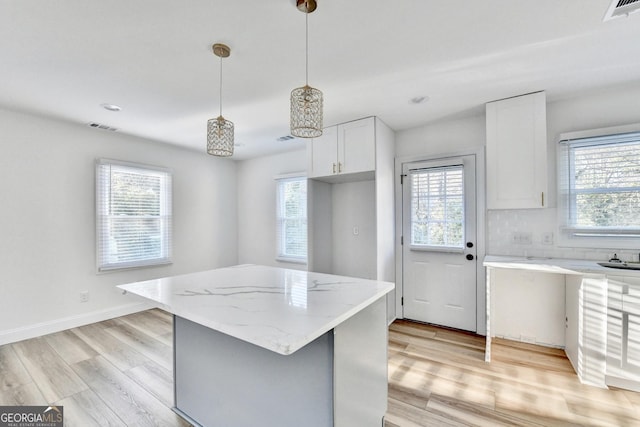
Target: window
{"type": "Point", "coordinates": [437, 207]}
{"type": "Point", "coordinates": [133, 215]}
{"type": "Point", "coordinates": [292, 219]}
{"type": "Point", "coordinates": [602, 185]}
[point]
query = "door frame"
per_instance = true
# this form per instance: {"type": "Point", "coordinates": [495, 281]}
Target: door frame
{"type": "Point", "coordinates": [481, 296]}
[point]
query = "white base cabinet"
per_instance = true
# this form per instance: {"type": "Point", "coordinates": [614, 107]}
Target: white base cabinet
{"type": "Point", "coordinates": [623, 332]}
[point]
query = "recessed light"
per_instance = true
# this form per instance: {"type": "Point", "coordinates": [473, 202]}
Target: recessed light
{"type": "Point", "coordinates": [111, 107]}
{"type": "Point", "coordinates": [418, 100]}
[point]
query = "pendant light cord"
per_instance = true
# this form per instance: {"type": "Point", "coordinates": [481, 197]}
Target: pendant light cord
{"type": "Point", "coordinates": [220, 85]}
{"type": "Point", "coordinates": [306, 24]}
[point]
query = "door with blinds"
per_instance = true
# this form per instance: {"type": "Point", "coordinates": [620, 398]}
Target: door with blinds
{"type": "Point", "coordinates": [439, 237]}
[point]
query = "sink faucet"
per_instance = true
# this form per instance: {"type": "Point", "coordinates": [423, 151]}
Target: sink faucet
{"type": "Point", "coordinates": [615, 258]}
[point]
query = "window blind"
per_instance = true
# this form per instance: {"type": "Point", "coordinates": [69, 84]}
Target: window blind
{"type": "Point", "coordinates": [292, 219]}
{"type": "Point", "coordinates": [133, 215]}
{"type": "Point", "coordinates": [604, 185]}
{"type": "Point", "coordinates": [437, 207]}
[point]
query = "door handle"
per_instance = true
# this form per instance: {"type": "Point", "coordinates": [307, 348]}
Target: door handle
{"type": "Point", "coordinates": [469, 244]}
{"type": "Point", "coordinates": [470, 257]}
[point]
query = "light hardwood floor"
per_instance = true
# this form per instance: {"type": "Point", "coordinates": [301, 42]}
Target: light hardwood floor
{"type": "Point", "coordinates": [118, 373]}
{"type": "Point", "coordinates": [438, 377]}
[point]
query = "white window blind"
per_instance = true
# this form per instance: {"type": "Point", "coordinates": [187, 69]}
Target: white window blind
{"type": "Point", "coordinates": [603, 185]}
{"type": "Point", "coordinates": [133, 215]}
{"type": "Point", "coordinates": [437, 207]}
{"type": "Point", "coordinates": [292, 219]}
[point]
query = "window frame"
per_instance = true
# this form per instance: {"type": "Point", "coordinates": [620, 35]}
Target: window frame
{"type": "Point", "coordinates": [165, 216]}
{"type": "Point", "coordinates": [570, 235]}
{"type": "Point", "coordinates": [447, 196]}
{"type": "Point", "coordinates": [280, 229]}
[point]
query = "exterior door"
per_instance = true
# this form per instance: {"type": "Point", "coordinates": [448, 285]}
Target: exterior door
{"type": "Point", "coordinates": [439, 241]}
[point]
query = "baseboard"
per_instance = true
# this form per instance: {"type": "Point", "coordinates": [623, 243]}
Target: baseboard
{"type": "Point", "coordinates": [18, 334]}
{"type": "Point", "coordinates": [622, 383]}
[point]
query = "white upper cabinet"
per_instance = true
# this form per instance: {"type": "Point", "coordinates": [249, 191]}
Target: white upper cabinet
{"type": "Point", "coordinates": [517, 152]}
{"type": "Point", "coordinates": [343, 149]}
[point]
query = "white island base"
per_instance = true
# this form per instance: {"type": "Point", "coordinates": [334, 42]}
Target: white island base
{"type": "Point", "coordinates": [263, 346]}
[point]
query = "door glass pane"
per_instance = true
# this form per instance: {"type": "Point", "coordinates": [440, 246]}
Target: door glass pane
{"type": "Point", "coordinates": [437, 207]}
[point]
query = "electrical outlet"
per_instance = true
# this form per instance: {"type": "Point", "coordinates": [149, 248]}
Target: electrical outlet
{"type": "Point", "coordinates": [521, 238]}
{"type": "Point", "coordinates": [84, 296]}
{"type": "Point", "coordinates": [356, 230]}
{"type": "Point", "coordinates": [547, 238]}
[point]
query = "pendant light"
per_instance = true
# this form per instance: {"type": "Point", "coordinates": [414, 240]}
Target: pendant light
{"type": "Point", "coordinates": [306, 102]}
{"type": "Point", "coordinates": [220, 130]}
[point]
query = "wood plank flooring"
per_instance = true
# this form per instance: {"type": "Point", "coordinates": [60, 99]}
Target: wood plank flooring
{"type": "Point", "coordinates": [112, 373]}
{"type": "Point", "coordinates": [118, 373]}
{"type": "Point", "coordinates": [438, 377]}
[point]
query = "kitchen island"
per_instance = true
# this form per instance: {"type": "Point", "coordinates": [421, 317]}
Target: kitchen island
{"type": "Point", "coordinates": [256, 345]}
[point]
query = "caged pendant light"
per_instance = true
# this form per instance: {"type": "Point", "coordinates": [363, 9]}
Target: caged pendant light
{"type": "Point", "coordinates": [306, 101]}
{"type": "Point", "coordinates": [220, 130]}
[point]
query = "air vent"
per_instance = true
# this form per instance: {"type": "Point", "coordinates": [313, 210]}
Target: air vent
{"type": "Point", "coordinates": [621, 8]}
{"type": "Point", "coordinates": [99, 126]}
{"type": "Point", "coordinates": [285, 138]}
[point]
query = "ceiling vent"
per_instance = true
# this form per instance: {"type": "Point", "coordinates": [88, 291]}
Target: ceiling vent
{"type": "Point", "coordinates": [621, 8]}
{"type": "Point", "coordinates": [289, 137]}
{"type": "Point", "coordinates": [99, 126]}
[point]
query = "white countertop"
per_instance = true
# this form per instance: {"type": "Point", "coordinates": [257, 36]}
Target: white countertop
{"type": "Point", "coordinates": [554, 265]}
{"type": "Point", "coordinates": [275, 308]}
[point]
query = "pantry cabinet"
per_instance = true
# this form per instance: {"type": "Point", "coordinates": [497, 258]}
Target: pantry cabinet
{"type": "Point", "coordinates": [350, 193]}
{"type": "Point", "coordinates": [346, 148]}
{"type": "Point", "coordinates": [517, 152]}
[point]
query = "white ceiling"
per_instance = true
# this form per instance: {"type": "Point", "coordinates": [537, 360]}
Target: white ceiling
{"type": "Point", "coordinates": [153, 58]}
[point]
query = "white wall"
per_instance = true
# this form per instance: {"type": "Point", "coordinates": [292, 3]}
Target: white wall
{"type": "Point", "coordinates": [47, 221]}
{"type": "Point", "coordinates": [353, 206]}
{"type": "Point", "coordinates": [448, 136]}
{"type": "Point", "coordinates": [257, 206]}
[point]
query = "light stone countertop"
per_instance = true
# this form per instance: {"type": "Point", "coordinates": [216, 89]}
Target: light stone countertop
{"type": "Point", "coordinates": [554, 265]}
{"type": "Point", "coordinates": [278, 309]}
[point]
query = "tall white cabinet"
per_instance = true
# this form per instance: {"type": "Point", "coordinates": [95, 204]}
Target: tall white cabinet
{"type": "Point", "coordinates": [517, 152]}
{"type": "Point", "coordinates": [350, 202]}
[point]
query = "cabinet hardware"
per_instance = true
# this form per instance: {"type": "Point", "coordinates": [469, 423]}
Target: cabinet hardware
{"type": "Point", "coordinates": [334, 168]}
{"type": "Point", "coordinates": [339, 167]}
{"type": "Point", "coordinates": [542, 197]}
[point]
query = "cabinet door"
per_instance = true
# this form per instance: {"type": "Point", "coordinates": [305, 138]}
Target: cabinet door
{"type": "Point", "coordinates": [517, 152]}
{"type": "Point", "coordinates": [572, 304]}
{"type": "Point", "coordinates": [623, 331]}
{"type": "Point", "coordinates": [356, 146]}
{"type": "Point", "coordinates": [322, 153]}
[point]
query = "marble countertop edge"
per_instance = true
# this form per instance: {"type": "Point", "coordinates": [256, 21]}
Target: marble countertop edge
{"type": "Point", "coordinates": [554, 265]}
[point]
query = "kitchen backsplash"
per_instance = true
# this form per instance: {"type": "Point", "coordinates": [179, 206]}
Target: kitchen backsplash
{"type": "Point", "coordinates": [533, 233]}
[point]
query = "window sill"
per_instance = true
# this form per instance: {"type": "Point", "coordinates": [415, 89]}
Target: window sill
{"type": "Point", "coordinates": [291, 260]}
{"type": "Point", "coordinates": [124, 267]}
